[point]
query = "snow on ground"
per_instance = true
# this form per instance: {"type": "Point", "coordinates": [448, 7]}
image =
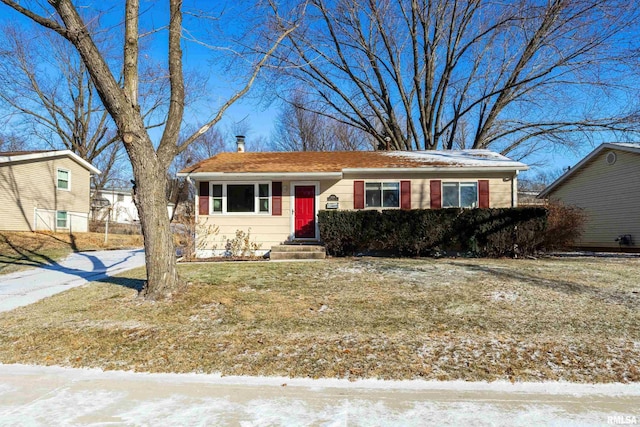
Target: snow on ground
{"type": "Point", "coordinates": [33, 395]}
{"type": "Point", "coordinates": [551, 387]}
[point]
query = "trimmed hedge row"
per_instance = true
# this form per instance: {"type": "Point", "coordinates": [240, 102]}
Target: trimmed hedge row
{"type": "Point", "coordinates": [424, 232]}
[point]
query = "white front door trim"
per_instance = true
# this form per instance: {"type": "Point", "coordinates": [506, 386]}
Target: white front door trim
{"type": "Point", "coordinates": [292, 191]}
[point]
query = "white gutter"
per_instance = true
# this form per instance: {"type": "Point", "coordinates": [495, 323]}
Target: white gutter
{"type": "Point", "coordinates": [202, 176]}
{"type": "Point", "coordinates": [47, 154]}
{"type": "Point", "coordinates": [514, 190]}
{"type": "Point", "coordinates": [438, 169]}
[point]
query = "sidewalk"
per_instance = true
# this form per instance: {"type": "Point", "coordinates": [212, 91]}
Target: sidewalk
{"type": "Point", "coordinates": [28, 286]}
{"type": "Point", "coordinates": [43, 396]}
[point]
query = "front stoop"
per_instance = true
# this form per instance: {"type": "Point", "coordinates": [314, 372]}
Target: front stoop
{"type": "Point", "coordinates": [297, 252]}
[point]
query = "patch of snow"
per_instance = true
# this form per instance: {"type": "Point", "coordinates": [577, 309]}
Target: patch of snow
{"type": "Point", "coordinates": [94, 397]}
{"type": "Point", "coordinates": [503, 296]}
{"type": "Point", "coordinates": [549, 387]}
{"type": "Point", "coordinates": [358, 269]}
{"type": "Point", "coordinates": [484, 158]}
{"type": "Point", "coordinates": [6, 389]}
{"type": "Point", "coordinates": [53, 408]}
{"type": "Point", "coordinates": [193, 412]}
{"type": "Point", "coordinates": [591, 254]}
{"type": "Point", "coordinates": [626, 144]}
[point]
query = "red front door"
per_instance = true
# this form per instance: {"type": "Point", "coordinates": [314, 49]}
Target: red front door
{"type": "Point", "coordinates": [305, 212]}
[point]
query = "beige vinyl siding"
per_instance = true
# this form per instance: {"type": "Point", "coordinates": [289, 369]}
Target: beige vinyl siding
{"type": "Point", "coordinates": [30, 185]}
{"type": "Point", "coordinates": [342, 188]}
{"type": "Point", "coordinates": [268, 230]}
{"type": "Point", "coordinates": [610, 196]}
{"type": "Point", "coordinates": [500, 187]}
{"type": "Point", "coordinates": [265, 230]}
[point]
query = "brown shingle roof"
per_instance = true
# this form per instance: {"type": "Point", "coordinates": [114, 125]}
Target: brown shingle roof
{"type": "Point", "coordinates": [336, 161]}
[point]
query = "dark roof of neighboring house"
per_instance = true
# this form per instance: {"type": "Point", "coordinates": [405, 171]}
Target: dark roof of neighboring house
{"type": "Point", "coordinates": [628, 147]}
{"type": "Point", "coordinates": [339, 161]}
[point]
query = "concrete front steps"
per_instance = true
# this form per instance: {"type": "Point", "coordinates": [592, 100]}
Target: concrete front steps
{"type": "Point", "coordinates": [297, 251]}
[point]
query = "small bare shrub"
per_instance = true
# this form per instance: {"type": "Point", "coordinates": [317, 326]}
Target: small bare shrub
{"type": "Point", "coordinates": [241, 245]}
{"type": "Point", "coordinates": [565, 225]}
{"type": "Point", "coordinates": [185, 231]}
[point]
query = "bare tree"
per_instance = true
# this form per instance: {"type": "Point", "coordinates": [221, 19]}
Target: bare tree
{"type": "Point", "coordinates": [10, 142]}
{"type": "Point", "coordinates": [300, 127]}
{"type": "Point", "coordinates": [48, 90]}
{"type": "Point", "coordinates": [149, 161]}
{"type": "Point", "coordinates": [207, 145]}
{"type": "Point", "coordinates": [540, 180]}
{"type": "Point", "coordinates": [178, 189]}
{"type": "Point", "coordinates": [431, 74]}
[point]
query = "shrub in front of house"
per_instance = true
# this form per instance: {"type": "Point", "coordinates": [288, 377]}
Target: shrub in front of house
{"type": "Point", "coordinates": [565, 224]}
{"type": "Point", "coordinates": [425, 232]}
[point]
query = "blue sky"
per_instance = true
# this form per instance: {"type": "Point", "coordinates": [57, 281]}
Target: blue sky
{"type": "Point", "coordinates": [252, 112]}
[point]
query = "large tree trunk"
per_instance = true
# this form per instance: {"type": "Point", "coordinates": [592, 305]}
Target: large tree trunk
{"type": "Point", "coordinates": [150, 164]}
{"type": "Point", "coordinates": [150, 197]}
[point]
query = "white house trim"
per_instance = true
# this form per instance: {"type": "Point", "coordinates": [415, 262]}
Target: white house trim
{"type": "Point", "coordinates": [225, 184]}
{"type": "Point", "coordinates": [250, 176]}
{"type": "Point", "coordinates": [48, 154]}
{"type": "Point", "coordinates": [292, 193]}
{"type": "Point", "coordinates": [437, 169]}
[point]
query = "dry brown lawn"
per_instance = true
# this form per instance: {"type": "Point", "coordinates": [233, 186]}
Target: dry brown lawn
{"type": "Point", "coordinates": [20, 250]}
{"type": "Point", "coordinates": [573, 319]}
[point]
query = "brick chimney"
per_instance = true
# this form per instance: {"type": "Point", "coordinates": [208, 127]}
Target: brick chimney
{"type": "Point", "coordinates": [240, 142]}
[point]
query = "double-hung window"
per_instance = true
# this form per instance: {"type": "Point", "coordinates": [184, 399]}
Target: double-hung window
{"type": "Point", "coordinates": [63, 179]}
{"type": "Point", "coordinates": [263, 198]}
{"type": "Point", "coordinates": [241, 198]}
{"type": "Point", "coordinates": [62, 219]}
{"type": "Point", "coordinates": [459, 194]}
{"type": "Point", "coordinates": [216, 193]}
{"type": "Point", "coordinates": [382, 195]}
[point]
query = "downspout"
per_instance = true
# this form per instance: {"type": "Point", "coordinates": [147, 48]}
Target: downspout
{"type": "Point", "coordinates": [196, 203]}
{"type": "Point", "coordinates": [514, 190]}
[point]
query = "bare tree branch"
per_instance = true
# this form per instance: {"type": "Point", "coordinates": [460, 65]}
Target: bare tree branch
{"type": "Point", "coordinates": [437, 73]}
{"type": "Point", "coordinates": [240, 93]}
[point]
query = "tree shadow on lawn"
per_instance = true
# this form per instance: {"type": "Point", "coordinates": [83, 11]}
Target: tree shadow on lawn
{"type": "Point", "coordinates": [96, 272]}
{"type": "Point", "coordinates": [24, 256]}
{"type": "Point", "coordinates": [127, 282]}
{"type": "Point", "coordinates": [629, 299]}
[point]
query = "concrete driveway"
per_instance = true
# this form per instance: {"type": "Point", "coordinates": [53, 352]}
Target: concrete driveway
{"type": "Point", "coordinates": [44, 396]}
{"type": "Point", "coordinates": [28, 286]}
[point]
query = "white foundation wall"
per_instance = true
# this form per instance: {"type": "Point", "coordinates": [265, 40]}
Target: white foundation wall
{"type": "Point", "coordinates": [45, 220]}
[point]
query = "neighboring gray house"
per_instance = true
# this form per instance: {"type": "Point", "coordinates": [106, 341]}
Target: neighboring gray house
{"type": "Point", "coordinates": [606, 184]}
{"type": "Point", "coordinates": [44, 190]}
